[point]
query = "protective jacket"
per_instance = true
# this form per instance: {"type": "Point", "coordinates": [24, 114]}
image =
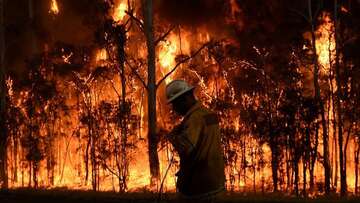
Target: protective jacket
{"type": "Point", "coordinates": [197, 140]}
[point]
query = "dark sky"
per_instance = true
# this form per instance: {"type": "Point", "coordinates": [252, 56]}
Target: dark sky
{"type": "Point", "coordinates": [77, 20]}
{"type": "Point", "coordinates": [74, 25]}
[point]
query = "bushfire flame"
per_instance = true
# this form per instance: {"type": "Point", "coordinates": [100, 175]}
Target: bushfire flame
{"type": "Point", "coordinates": [54, 7]}
{"type": "Point", "coordinates": [325, 42]}
{"type": "Point", "coordinates": [120, 11]}
{"type": "Point", "coordinates": [72, 141]}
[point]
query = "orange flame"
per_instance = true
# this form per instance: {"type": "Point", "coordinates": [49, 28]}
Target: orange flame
{"type": "Point", "coordinates": [101, 55]}
{"type": "Point", "coordinates": [119, 12]}
{"type": "Point", "coordinates": [54, 8]}
{"type": "Point", "coordinates": [325, 42]}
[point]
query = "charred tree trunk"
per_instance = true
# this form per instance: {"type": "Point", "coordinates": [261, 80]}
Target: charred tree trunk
{"type": "Point", "coordinates": [49, 148]}
{"type": "Point", "coordinates": [332, 123]}
{"type": "Point", "coordinates": [304, 176]}
{"type": "Point", "coordinates": [121, 41]}
{"type": "Point", "coordinates": [152, 140]}
{"type": "Point", "coordinates": [343, 184]}
{"type": "Point", "coordinates": [50, 160]}
{"type": "Point", "coordinates": [306, 159]}
{"type": "Point", "coordinates": [274, 163]}
{"type": "Point", "coordinates": [244, 161]}
{"type": "Point", "coordinates": [295, 161]}
{"type": "Point", "coordinates": [87, 158]}
{"type": "Point", "coordinates": [313, 158]}
{"type": "Point", "coordinates": [15, 155]}
{"type": "Point", "coordinates": [321, 103]}
{"type": "Point", "coordinates": [288, 167]}
{"type": "Point", "coordinates": [3, 130]}
{"type": "Point", "coordinates": [35, 173]}
{"type": "Point", "coordinates": [296, 172]}
{"type": "Point", "coordinates": [92, 137]}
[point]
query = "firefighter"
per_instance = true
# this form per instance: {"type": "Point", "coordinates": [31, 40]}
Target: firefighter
{"type": "Point", "coordinates": [196, 139]}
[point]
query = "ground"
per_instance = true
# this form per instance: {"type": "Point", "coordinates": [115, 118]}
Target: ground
{"type": "Point", "coordinates": [66, 196]}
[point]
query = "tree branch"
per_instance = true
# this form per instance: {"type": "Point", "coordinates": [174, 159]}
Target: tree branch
{"type": "Point", "coordinates": [136, 74]}
{"type": "Point", "coordinates": [184, 60]}
{"type": "Point", "coordinates": [301, 14]}
{"type": "Point", "coordinates": [140, 24]}
{"type": "Point", "coordinates": [113, 86]}
{"type": "Point", "coordinates": [164, 35]}
{"type": "Point", "coordinates": [110, 170]}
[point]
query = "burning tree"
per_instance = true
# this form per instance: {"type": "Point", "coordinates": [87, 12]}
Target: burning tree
{"type": "Point", "coordinates": [281, 75]}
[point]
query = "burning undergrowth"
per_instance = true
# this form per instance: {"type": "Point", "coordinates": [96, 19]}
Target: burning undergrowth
{"type": "Point", "coordinates": [77, 92]}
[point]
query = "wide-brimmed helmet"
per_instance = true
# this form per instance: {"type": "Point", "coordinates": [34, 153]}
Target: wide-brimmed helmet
{"type": "Point", "coordinates": [177, 88]}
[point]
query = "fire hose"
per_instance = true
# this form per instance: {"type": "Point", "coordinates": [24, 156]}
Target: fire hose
{"type": "Point", "coordinates": [160, 191]}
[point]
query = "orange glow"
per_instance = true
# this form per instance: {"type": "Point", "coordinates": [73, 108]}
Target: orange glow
{"type": "Point", "coordinates": [54, 8]}
{"type": "Point", "coordinates": [101, 55]}
{"type": "Point", "coordinates": [235, 9]}
{"type": "Point", "coordinates": [73, 134]}
{"type": "Point", "coordinates": [344, 9]}
{"type": "Point", "coordinates": [120, 11]}
{"type": "Point", "coordinates": [168, 51]}
{"type": "Point", "coordinates": [325, 42]}
{"type": "Point", "coordinates": [66, 58]}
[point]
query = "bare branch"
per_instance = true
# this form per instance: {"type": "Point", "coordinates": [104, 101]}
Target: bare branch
{"type": "Point", "coordinates": [110, 170]}
{"type": "Point", "coordinates": [136, 74]}
{"type": "Point", "coordinates": [164, 35]}
{"type": "Point", "coordinates": [137, 20]}
{"type": "Point", "coordinates": [318, 10]}
{"type": "Point", "coordinates": [113, 86]}
{"type": "Point", "coordinates": [184, 60]}
{"type": "Point", "coordinates": [301, 14]}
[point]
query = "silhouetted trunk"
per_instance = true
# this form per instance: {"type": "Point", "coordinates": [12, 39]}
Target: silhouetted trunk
{"type": "Point", "coordinates": [338, 104]}
{"type": "Point", "coordinates": [3, 130]}
{"type": "Point", "coordinates": [304, 177]}
{"type": "Point", "coordinates": [333, 124]}
{"type": "Point", "coordinates": [30, 173]}
{"type": "Point", "coordinates": [49, 148]}
{"type": "Point", "coordinates": [86, 158]}
{"type": "Point", "coordinates": [35, 173]}
{"type": "Point", "coordinates": [288, 163]}
{"type": "Point", "coordinates": [50, 159]}
{"type": "Point", "coordinates": [253, 159]}
{"type": "Point", "coordinates": [123, 172]}
{"type": "Point", "coordinates": [94, 171]}
{"type": "Point", "coordinates": [306, 159]}
{"type": "Point", "coordinates": [274, 163]}
{"type": "Point", "coordinates": [295, 161]}
{"type": "Point", "coordinates": [152, 140]}
{"type": "Point", "coordinates": [296, 172]}
{"type": "Point", "coordinates": [313, 158]}
{"type": "Point", "coordinates": [321, 103]}
{"type": "Point", "coordinates": [243, 161]}
{"type": "Point", "coordinates": [15, 155]}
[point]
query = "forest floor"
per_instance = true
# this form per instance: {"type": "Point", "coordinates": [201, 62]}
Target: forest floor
{"type": "Point", "coordinates": [68, 196]}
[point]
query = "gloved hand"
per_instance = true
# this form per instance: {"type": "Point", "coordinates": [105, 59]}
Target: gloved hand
{"type": "Point", "coordinates": [178, 138]}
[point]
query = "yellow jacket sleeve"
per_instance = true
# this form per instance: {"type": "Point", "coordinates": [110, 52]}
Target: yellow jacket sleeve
{"type": "Point", "coordinates": [185, 140]}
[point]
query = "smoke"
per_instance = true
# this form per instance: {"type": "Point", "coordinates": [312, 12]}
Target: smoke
{"type": "Point", "coordinates": [25, 37]}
